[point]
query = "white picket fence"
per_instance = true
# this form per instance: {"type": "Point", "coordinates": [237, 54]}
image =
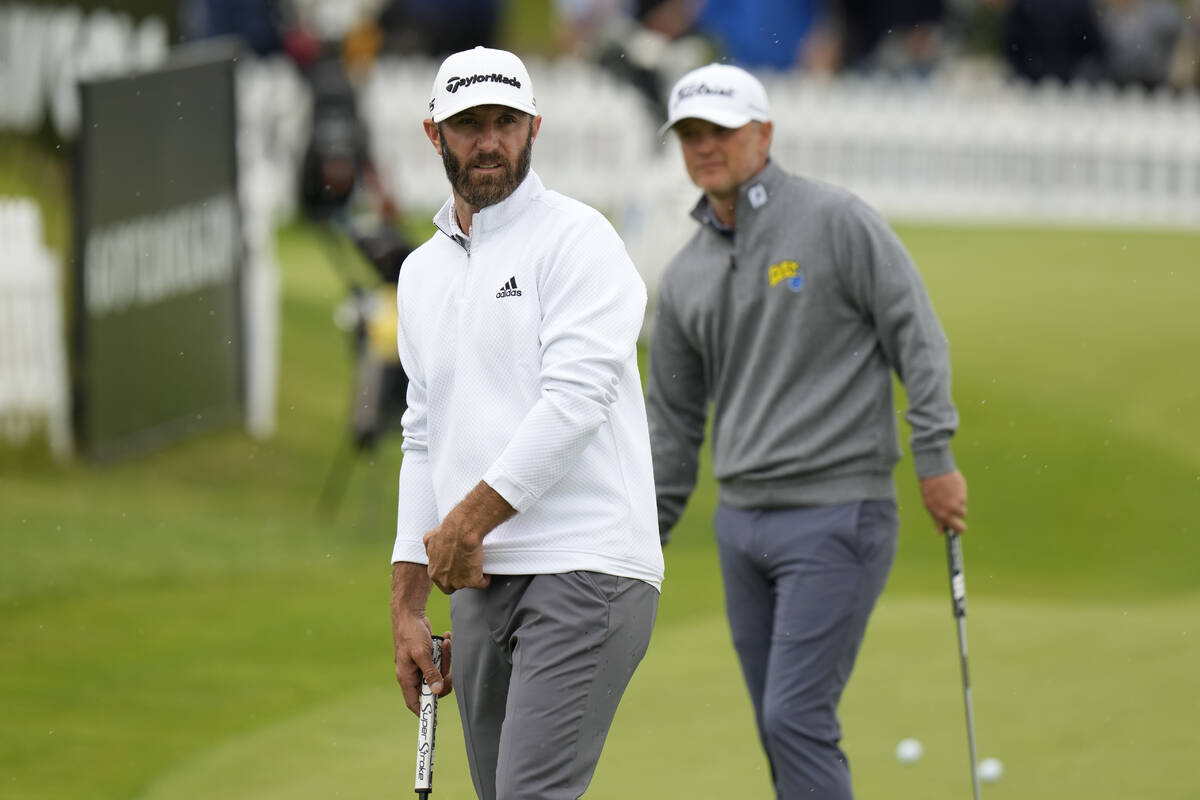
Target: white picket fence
{"type": "Point", "coordinates": [983, 150]}
{"type": "Point", "coordinates": [34, 388]}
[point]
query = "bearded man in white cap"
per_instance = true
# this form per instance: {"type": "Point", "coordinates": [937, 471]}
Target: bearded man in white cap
{"type": "Point", "coordinates": [526, 489]}
{"type": "Point", "coordinates": [788, 310]}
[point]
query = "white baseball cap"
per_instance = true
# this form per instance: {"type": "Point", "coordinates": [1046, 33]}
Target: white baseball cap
{"type": "Point", "coordinates": [481, 77]}
{"type": "Point", "coordinates": [720, 93]}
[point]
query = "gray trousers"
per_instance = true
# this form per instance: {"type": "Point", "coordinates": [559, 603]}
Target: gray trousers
{"type": "Point", "coordinates": [799, 586]}
{"type": "Point", "coordinates": [539, 665]}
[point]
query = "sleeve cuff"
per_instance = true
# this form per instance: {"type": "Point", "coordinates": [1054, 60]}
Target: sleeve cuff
{"type": "Point", "coordinates": [931, 463]}
{"type": "Point", "coordinates": [409, 551]}
{"type": "Point", "coordinates": [513, 493]}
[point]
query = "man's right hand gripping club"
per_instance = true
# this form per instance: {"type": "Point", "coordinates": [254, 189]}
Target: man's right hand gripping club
{"type": "Point", "coordinates": [455, 547]}
{"type": "Point", "coordinates": [412, 636]}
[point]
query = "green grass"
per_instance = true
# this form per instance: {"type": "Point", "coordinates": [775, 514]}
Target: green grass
{"type": "Point", "coordinates": [187, 625]}
{"type": "Point", "coordinates": [1072, 354]}
{"type": "Point", "coordinates": [1061, 723]}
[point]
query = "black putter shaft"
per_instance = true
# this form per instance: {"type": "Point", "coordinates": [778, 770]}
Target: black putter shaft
{"type": "Point", "coordinates": [958, 596]}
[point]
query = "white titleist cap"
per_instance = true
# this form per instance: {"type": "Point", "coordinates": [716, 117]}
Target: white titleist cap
{"type": "Point", "coordinates": [722, 94]}
{"type": "Point", "coordinates": [481, 77]}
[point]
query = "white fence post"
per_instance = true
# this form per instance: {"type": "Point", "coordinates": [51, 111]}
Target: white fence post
{"type": "Point", "coordinates": [34, 386]}
{"type": "Point", "coordinates": [274, 107]}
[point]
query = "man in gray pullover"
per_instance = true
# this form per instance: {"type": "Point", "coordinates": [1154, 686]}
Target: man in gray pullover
{"type": "Point", "coordinates": [789, 309]}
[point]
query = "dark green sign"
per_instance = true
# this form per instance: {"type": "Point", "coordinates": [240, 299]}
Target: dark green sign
{"type": "Point", "coordinates": [158, 330]}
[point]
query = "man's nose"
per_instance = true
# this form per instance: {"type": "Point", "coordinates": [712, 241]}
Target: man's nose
{"type": "Point", "coordinates": [706, 142]}
{"type": "Point", "coordinates": [489, 136]}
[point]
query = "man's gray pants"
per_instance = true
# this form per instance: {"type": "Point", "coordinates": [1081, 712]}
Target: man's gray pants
{"type": "Point", "coordinates": [539, 665]}
{"type": "Point", "coordinates": [799, 586]}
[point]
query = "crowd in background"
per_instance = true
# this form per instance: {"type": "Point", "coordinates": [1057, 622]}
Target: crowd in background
{"type": "Point", "coordinates": [1148, 42]}
{"type": "Point", "coordinates": [1145, 42]}
{"type": "Point", "coordinates": [650, 43]}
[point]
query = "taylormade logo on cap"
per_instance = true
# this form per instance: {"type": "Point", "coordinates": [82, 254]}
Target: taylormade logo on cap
{"type": "Point", "coordinates": [481, 77]}
{"type": "Point", "coordinates": [456, 83]}
{"type": "Point", "coordinates": [719, 93]}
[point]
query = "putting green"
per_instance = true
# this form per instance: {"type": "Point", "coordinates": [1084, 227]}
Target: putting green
{"type": "Point", "coordinates": [1070, 698]}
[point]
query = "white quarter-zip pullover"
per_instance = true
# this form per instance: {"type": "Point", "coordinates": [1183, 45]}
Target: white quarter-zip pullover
{"type": "Point", "coordinates": [520, 348]}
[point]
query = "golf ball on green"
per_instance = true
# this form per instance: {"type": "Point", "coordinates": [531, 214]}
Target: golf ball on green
{"type": "Point", "coordinates": [990, 770]}
{"type": "Point", "coordinates": [908, 751]}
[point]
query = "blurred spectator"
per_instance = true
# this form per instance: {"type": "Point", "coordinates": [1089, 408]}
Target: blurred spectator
{"type": "Point", "coordinates": [1053, 38]}
{"type": "Point", "coordinates": [360, 47]}
{"type": "Point", "coordinates": [337, 151]}
{"type": "Point", "coordinates": [581, 22]}
{"type": "Point", "coordinates": [588, 26]}
{"type": "Point", "coordinates": [341, 190]}
{"type": "Point", "coordinates": [977, 26]}
{"type": "Point", "coordinates": [670, 18]}
{"type": "Point", "coordinates": [331, 20]}
{"type": "Point", "coordinates": [338, 180]}
{"type": "Point", "coordinates": [892, 35]}
{"type": "Point", "coordinates": [304, 29]}
{"type": "Point", "coordinates": [1139, 40]}
{"type": "Point", "coordinates": [256, 21]}
{"type": "Point", "coordinates": [439, 27]}
{"type": "Point", "coordinates": [647, 43]}
{"type": "Point", "coordinates": [772, 34]}
{"type": "Point", "coordinates": [1185, 63]}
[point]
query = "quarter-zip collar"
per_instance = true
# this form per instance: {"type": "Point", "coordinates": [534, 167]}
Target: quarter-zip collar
{"type": "Point", "coordinates": [489, 218]}
{"type": "Point", "coordinates": [753, 195]}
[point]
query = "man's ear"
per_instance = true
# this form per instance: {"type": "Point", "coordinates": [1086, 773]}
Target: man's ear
{"type": "Point", "coordinates": [431, 131]}
{"type": "Point", "coordinates": [535, 127]}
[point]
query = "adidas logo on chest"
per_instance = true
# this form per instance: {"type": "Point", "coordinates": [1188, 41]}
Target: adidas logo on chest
{"type": "Point", "coordinates": [509, 289]}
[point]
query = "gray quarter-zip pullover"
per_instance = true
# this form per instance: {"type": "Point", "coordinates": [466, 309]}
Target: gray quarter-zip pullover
{"type": "Point", "coordinates": [791, 326]}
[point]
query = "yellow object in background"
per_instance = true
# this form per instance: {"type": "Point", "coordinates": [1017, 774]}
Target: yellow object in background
{"type": "Point", "coordinates": [381, 324]}
{"type": "Point", "coordinates": [360, 47]}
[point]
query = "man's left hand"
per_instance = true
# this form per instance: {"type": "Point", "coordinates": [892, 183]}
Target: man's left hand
{"type": "Point", "coordinates": [455, 558]}
{"type": "Point", "coordinates": [945, 497]}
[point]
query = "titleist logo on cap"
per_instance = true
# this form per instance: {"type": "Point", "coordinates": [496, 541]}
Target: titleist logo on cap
{"type": "Point", "coordinates": [455, 83]}
{"type": "Point", "coordinates": [702, 88]}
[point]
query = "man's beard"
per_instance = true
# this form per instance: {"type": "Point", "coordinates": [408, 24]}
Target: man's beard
{"type": "Point", "coordinates": [485, 190]}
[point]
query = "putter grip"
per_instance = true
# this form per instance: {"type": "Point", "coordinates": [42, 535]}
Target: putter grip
{"type": "Point", "coordinates": [958, 583]}
{"type": "Point", "coordinates": [427, 729]}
